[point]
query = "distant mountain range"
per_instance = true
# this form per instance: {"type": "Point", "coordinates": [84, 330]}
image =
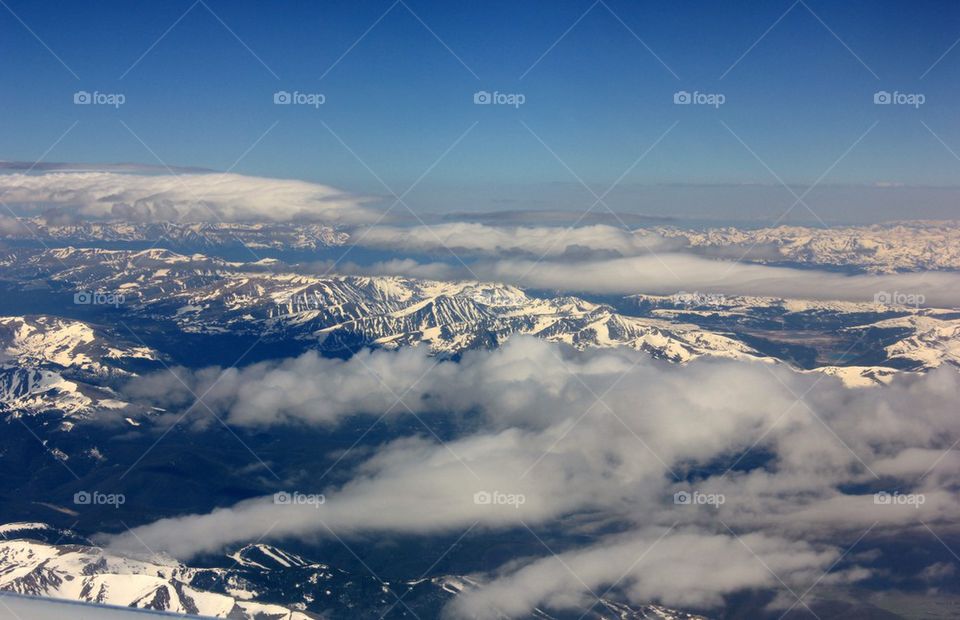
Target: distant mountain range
{"type": "Point", "coordinates": [192, 236]}
{"type": "Point", "coordinates": [886, 248]}
{"type": "Point", "coordinates": [342, 313]}
{"type": "Point", "coordinates": [883, 248]}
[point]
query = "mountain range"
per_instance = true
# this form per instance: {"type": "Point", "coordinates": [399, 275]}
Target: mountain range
{"type": "Point", "coordinates": [880, 248]}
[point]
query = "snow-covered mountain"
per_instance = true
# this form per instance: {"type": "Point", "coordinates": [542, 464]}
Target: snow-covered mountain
{"type": "Point", "coordinates": [933, 338]}
{"type": "Point", "coordinates": [341, 313]}
{"type": "Point", "coordinates": [39, 340]}
{"type": "Point", "coordinates": [51, 363]}
{"type": "Point", "coordinates": [882, 248]}
{"type": "Point", "coordinates": [38, 560]}
{"type": "Point", "coordinates": [87, 573]}
{"type": "Point", "coordinates": [449, 317]}
{"type": "Point", "coordinates": [195, 236]}
{"type": "Point", "coordinates": [897, 338]}
{"type": "Point", "coordinates": [862, 343]}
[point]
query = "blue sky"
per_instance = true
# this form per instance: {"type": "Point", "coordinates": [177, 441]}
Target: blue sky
{"type": "Point", "coordinates": [201, 94]}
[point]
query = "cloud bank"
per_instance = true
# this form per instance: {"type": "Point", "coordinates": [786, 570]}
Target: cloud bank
{"type": "Point", "coordinates": [211, 197]}
{"type": "Point", "coordinates": [598, 442]}
{"type": "Point", "coordinates": [536, 241]}
{"type": "Point", "coordinates": [666, 273]}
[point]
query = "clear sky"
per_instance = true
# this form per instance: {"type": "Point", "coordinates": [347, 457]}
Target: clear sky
{"type": "Point", "coordinates": [598, 81]}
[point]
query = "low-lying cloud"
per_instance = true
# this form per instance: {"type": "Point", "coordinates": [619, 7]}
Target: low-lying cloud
{"type": "Point", "coordinates": [680, 568]}
{"type": "Point", "coordinates": [604, 439]}
{"type": "Point", "coordinates": [666, 273]}
{"type": "Point", "coordinates": [464, 238]}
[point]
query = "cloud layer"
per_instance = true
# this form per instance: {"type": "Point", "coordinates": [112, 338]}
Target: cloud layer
{"type": "Point", "coordinates": [532, 241]}
{"type": "Point", "coordinates": [598, 442]}
{"type": "Point", "coordinates": [211, 197]}
{"type": "Point", "coordinates": [666, 273]}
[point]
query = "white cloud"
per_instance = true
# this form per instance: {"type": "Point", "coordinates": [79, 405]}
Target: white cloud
{"type": "Point", "coordinates": [549, 241]}
{"type": "Point", "coordinates": [667, 273]}
{"type": "Point", "coordinates": [196, 197]}
{"type": "Point", "coordinates": [681, 568]}
{"type": "Point", "coordinates": [540, 433]}
{"type": "Point", "coordinates": [670, 272]}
